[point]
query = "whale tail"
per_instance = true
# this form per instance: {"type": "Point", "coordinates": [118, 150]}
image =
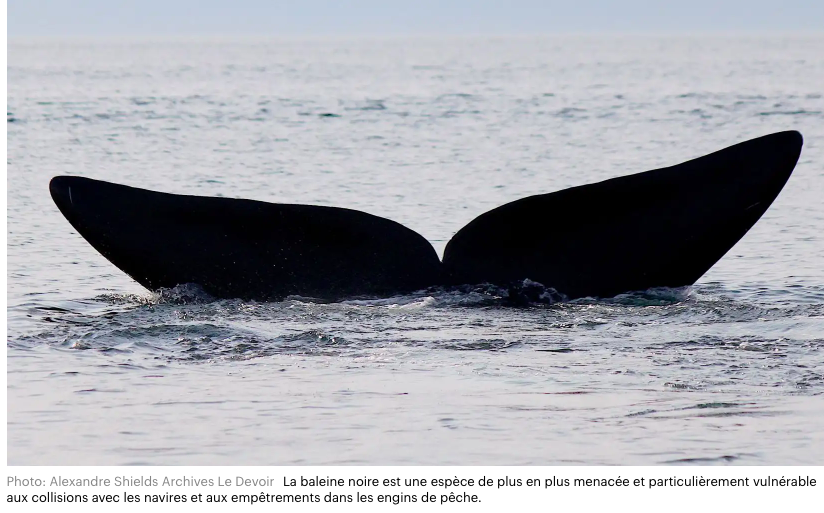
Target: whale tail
{"type": "Point", "coordinates": [660, 228]}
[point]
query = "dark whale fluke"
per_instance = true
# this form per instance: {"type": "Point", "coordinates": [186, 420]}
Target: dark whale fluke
{"type": "Point", "coordinates": [661, 228]}
{"type": "Point", "coordinates": [243, 248]}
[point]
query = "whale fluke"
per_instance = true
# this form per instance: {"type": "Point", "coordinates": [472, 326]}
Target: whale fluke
{"type": "Point", "coordinates": [660, 228]}
{"type": "Point", "coordinates": [243, 248]}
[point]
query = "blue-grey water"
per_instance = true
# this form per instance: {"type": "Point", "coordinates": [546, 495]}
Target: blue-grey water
{"type": "Point", "coordinates": [430, 132]}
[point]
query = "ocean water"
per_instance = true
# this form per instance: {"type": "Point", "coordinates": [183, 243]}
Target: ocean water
{"type": "Point", "coordinates": [430, 132]}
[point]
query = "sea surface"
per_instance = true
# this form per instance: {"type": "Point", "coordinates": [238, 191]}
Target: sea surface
{"type": "Point", "coordinates": [430, 132]}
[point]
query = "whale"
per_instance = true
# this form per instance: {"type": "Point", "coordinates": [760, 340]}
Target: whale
{"type": "Point", "coordinates": [661, 228]}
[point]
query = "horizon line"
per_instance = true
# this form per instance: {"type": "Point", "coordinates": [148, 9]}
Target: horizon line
{"type": "Point", "coordinates": [425, 35]}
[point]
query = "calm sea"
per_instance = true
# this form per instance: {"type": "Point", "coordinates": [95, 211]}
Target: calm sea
{"type": "Point", "coordinates": [430, 133]}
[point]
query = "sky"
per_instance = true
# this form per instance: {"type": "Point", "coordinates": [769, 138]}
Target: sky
{"type": "Point", "coordinates": [59, 18]}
